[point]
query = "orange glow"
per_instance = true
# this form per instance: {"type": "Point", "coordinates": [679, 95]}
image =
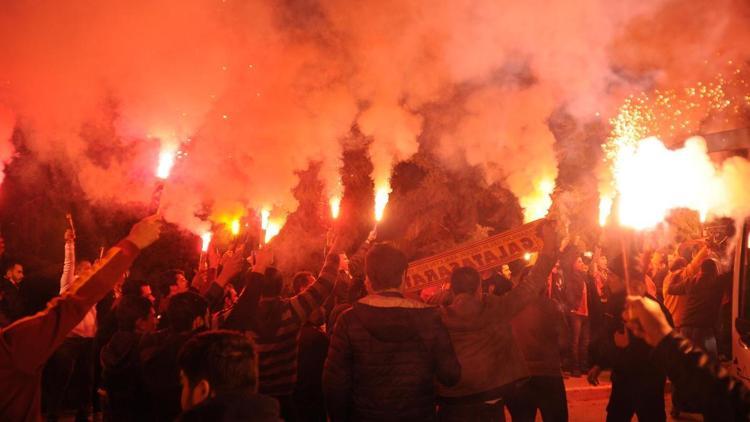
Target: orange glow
{"type": "Point", "coordinates": [381, 200]}
{"type": "Point", "coordinates": [605, 208]}
{"type": "Point", "coordinates": [536, 204]}
{"type": "Point", "coordinates": [335, 203]}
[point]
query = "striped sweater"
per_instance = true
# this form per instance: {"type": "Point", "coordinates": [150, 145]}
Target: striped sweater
{"type": "Point", "coordinates": [275, 325]}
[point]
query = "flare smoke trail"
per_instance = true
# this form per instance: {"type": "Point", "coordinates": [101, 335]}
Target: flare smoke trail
{"type": "Point", "coordinates": [250, 92]}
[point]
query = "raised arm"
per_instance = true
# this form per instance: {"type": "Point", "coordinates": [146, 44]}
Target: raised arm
{"type": "Point", "coordinates": [510, 304]}
{"type": "Point", "coordinates": [30, 341]}
{"type": "Point", "coordinates": [68, 274]}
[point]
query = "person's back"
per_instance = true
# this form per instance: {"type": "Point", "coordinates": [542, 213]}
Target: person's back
{"type": "Point", "coordinates": [158, 354]}
{"type": "Point", "coordinates": [540, 331]}
{"type": "Point", "coordinates": [704, 298]}
{"type": "Point", "coordinates": [387, 350]}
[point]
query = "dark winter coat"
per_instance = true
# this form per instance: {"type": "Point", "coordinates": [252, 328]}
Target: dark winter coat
{"type": "Point", "coordinates": [481, 333]}
{"type": "Point", "coordinates": [12, 304]}
{"type": "Point", "coordinates": [308, 393]}
{"type": "Point", "coordinates": [384, 356]}
{"type": "Point", "coordinates": [121, 377]}
{"type": "Point", "coordinates": [231, 407]}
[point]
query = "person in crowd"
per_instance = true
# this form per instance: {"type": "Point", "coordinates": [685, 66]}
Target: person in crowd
{"type": "Point", "coordinates": [637, 385]}
{"type": "Point", "coordinates": [498, 283]}
{"type": "Point", "coordinates": [387, 349]}
{"type": "Point", "coordinates": [703, 293]}
{"type": "Point", "coordinates": [313, 348]}
{"type": "Point", "coordinates": [138, 287]}
{"type": "Point", "coordinates": [481, 333]}
{"type": "Point", "coordinates": [172, 282]}
{"type": "Point", "coordinates": [533, 328]}
{"type": "Point", "coordinates": [12, 304]}
{"type": "Point", "coordinates": [701, 378]}
{"type": "Point", "coordinates": [274, 323]}
{"type": "Point", "coordinates": [188, 315]}
{"type": "Point", "coordinates": [577, 292]}
{"type": "Point", "coordinates": [70, 370]}
{"type": "Point", "coordinates": [219, 378]}
{"type": "Point", "coordinates": [599, 271]}
{"type": "Point", "coordinates": [120, 359]}
{"type": "Point", "coordinates": [27, 344]}
{"type": "Point", "coordinates": [658, 270]}
{"type": "Point", "coordinates": [685, 266]}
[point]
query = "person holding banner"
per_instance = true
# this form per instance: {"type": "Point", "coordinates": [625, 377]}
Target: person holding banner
{"type": "Point", "coordinates": [481, 333]}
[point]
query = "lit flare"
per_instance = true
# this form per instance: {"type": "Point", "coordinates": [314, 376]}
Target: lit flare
{"type": "Point", "coordinates": [206, 240]}
{"type": "Point", "coordinates": [381, 200]}
{"type": "Point", "coordinates": [335, 203]}
{"type": "Point", "coordinates": [166, 161]}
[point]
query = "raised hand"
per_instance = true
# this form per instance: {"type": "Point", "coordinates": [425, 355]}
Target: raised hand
{"type": "Point", "coordinates": [146, 231]}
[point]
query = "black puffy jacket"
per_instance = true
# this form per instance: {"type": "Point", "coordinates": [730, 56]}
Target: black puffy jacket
{"type": "Point", "coordinates": [385, 354]}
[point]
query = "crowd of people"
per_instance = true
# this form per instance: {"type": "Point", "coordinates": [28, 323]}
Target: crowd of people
{"type": "Point", "coordinates": [239, 343]}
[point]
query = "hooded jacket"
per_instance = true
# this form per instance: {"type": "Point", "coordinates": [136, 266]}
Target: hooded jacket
{"type": "Point", "coordinates": [232, 407]}
{"type": "Point", "coordinates": [481, 332]}
{"type": "Point", "coordinates": [384, 356]}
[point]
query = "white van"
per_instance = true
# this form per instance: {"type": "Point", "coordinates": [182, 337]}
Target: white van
{"type": "Point", "coordinates": [741, 306]}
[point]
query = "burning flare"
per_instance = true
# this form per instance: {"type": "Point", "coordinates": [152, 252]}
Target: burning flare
{"type": "Point", "coordinates": [272, 229]}
{"type": "Point", "coordinates": [381, 200]}
{"type": "Point", "coordinates": [335, 203]}
{"type": "Point", "coordinates": [166, 161]}
{"type": "Point", "coordinates": [234, 227]}
{"type": "Point", "coordinates": [536, 205]}
{"type": "Point", "coordinates": [206, 239]}
{"type": "Point", "coordinates": [265, 214]}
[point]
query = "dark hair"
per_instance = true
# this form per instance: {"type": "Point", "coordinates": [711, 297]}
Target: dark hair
{"type": "Point", "coordinates": [226, 359]}
{"type": "Point", "coordinates": [132, 286]}
{"type": "Point", "coordinates": [168, 278]}
{"type": "Point", "coordinates": [182, 310]}
{"type": "Point", "coordinates": [634, 269]}
{"type": "Point", "coordinates": [385, 266]}
{"type": "Point", "coordinates": [9, 265]}
{"type": "Point", "coordinates": [273, 281]}
{"type": "Point", "coordinates": [301, 280]}
{"type": "Point", "coordinates": [465, 280]}
{"type": "Point", "coordinates": [687, 249]}
{"type": "Point", "coordinates": [130, 309]}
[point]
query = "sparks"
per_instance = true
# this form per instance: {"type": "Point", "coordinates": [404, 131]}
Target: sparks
{"type": "Point", "coordinates": [381, 200]}
{"type": "Point", "coordinates": [335, 203]}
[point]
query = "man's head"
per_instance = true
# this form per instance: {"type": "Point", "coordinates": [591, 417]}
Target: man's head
{"type": "Point", "coordinates": [272, 284]}
{"type": "Point", "coordinates": [301, 280]}
{"type": "Point", "coordinates": [136, 287]}
{"type": "Point", "coordinates": [135, 314]}
{"type": "Point", "coordinates": [187, 311]}
{"type": "Point", "coordinates": [173, 282]}
{"type": "Point", "coordinates": [465, 280]}
{"type": "Point", "coordinates": [505, 271]}
{"type": "Point", "coordinates": [215, 363]}
{"type": "Point", "coordinates": [14, 272]}
{"type": "Point", "coordinates": [603, 262]}
{"type": "Point", "coordinates": [580, 266]}
{"type": "Point", "coordinates": [385, 267]}
{"type": "Point", "coordinates": [709, 269]}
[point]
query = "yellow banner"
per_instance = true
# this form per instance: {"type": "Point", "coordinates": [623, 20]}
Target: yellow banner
{"type": "Point", "coordinates": [482, 255]}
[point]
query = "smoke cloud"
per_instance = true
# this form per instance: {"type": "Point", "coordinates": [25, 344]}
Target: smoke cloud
{"type": "Point", "coordinates": [251, 92]}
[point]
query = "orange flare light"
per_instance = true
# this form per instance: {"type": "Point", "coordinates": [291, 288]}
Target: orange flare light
{"type": "Point", "coordinates": [206, 239]}
{"type": "Point", "coordinates": [381, 200]}
{"type": "Point", "coordinates": [234, 227]}
{"type": "Point", "coordinates": [605, 208]}
{"type": "Point", "coordinates": [536, 204]}
{"type": "Point", "coordinates": [265, 214]}
{"type": "Point", "coordinates": [335, 203]}
{"type": "Point", "coordinates": [272, 229]}
{"type": "Point", "coordinates": [166, 161]}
